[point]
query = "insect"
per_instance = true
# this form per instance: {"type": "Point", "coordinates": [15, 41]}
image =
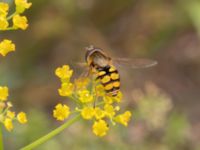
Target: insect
{"type": "Point", "coordinates": [103, 67]}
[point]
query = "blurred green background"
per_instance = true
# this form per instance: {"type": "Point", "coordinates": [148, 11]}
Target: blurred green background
{"type": "Point", "coordinates": [164, 99]}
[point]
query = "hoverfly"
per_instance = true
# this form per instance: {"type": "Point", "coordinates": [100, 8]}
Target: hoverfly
{"type": "Point", "coordinates": [102, 66]}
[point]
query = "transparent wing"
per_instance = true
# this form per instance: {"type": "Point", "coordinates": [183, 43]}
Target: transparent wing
{"type": "Point", "coordinates": [135, 63]}
{"type": "Point", "coordinates": [86, 71]}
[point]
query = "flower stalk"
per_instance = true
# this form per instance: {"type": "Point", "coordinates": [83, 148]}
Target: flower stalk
{"type": "Point", "coordinates": [51, 134]}
{"type": "Point", "coordinates": [1, 138]}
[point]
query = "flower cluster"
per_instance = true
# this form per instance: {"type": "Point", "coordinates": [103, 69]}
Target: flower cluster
{"type": "Point", "coordinates": [18, 22]}
{"type": "Point", "coordinates": [91, 102]}
{"type": "Point", "coordinates": [6, 115]}
{"type": "Point", "coordinates": [153, 105]}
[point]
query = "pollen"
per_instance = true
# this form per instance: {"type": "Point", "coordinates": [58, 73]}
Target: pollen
{"type": "Point", "coordinates": [114, 76]}
{"type": "Point", "coordinates": [105, 79]}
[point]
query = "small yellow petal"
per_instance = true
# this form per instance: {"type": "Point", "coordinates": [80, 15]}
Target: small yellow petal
{"type": "Point", "coordinates": [21, 5]}
{"type": "Point", "coordinates": [61, 112]}
{"type": "Point", "coordinates": [99, 113]}
{"type": "Point", "coordinates": [85, 96]}
{"type": "Point", "coordinates": [4, 9]}
{"type": "Point", "coordinates": [8, 124]}
{"type": "Point", "coordinates": [109, 110]}
{"type": "Point", "coordinates": [66, 89]}
{"type": "Point", "coordinates": [6, 46]}
{"type": "Point", "coordinates": [64, 73]}
{"type": "Point", "coordinates": [21, 117]}
{"type": "Point", "coordinates": [124, 118]}
{"type": "Point", "coordinates": [10, 114]}
{"type": "Point", "coordinates": [87, 113]}
{"type": "Point", "coordinates": [3, 93]}
{"type": "Point", "coordinates": [20, 22]}
{"type": "Point", "coordinates": [3, 23]}
{"type": "Point", "coordinates": [100, 128]}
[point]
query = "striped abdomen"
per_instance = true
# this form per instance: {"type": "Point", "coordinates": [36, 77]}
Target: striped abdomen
{"type": "Point", "coordinates": [110, 79]}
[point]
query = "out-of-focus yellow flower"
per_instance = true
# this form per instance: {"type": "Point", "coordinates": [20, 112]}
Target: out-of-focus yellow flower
{"type": "Point", "coordinates": [61, 112]}
{"type": "Point", "coordinates": [8, 124]}
{"type": "Point", "coordinates": [3, 23]}
{"type": "Point", "coordinates": [3, 9]}
{"type": "Point", "coordinates": [118, 98]}
{"type": "Point", "coordinates": [99, 113]}
{"type": "Point", "coordinates": [85, 96]}
{"type": "Point", "coordinates": [2, 105]}
{"type": "Point", "coordinates": [66, 89]}
{"type": "Point", "coordinates": [9, 104]}
{"type": "Point", "coordinates": [21, 5]}
{"type": "Point", "coordinates": [100, 90]}
{"type": "Point", "coordinates": [87, 113]}
{"type": "Point", "coordinates": [20, 22]}
{"type": "Point", "coordinates": [108, 99]}
{"type": "Point", "coordinates": [81, 83]}
{"type": "Point", "coordinates": [21, 117]}
{"type": "Point", "coordinates": [64, 73]}
{"type": "Point", "coordinates": [124, 118]}
{"type": "Point", "coordinates": [10, 114]}
{"type": "Point", "coordinates": [100, 128]}
{"type": "Point", "coordinates": [109, 110]}
{"type": "Point", "coordinates": [6, 46]}
{"type": "Point", "coordinates": [3, 93]}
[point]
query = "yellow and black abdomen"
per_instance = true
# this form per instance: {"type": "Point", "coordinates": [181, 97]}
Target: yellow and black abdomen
{"type": "Point", "coordinates": [110, 79]}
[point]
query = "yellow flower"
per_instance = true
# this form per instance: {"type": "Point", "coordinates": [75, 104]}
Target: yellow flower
{"type": "Point", "coordinates": [99, 114]}
{"type": "Point", "coordinates": [87, 113]}
{"type": "Point", "coordinates": [6, 46]}
{"type": "Point", "coordinates": [108, 99]}
{"type": "Point", "coordinates": [21, 5]}
{"type": "Point", "coordinates": [100, 90]}
{"type": "Point", "coordinates": [2, 105]}
{"type": "Point", "coordinates": [81, 83]}
{"type": "Point", "coordinates": [66, 89]}
{"type": "Point", "coordinates": [118, 98]}
{"type": "Point", "coordinates": [20, 22]}
{"type": "Point", "coordinates": [10, 114]}
{"type": "Point", "coordinates": [3, 93]}
{"type": "Point", "coordinates": [3, 23]}
{"type": "Point", "coordinates": [3, 9]}
{"type": "Point", "coordinates": [100, 128]}
{"type": "Point", "coordinates": [8, 124]}
{"type": "Point", "coordinates": [9, 104]}
{"type": "Point", "coordinates": [64, 73]}
{"type": "Point", "coordinates": [109, 110]}
{"type": "Point", "coordinates": [61, 112]}
{"type": "Point", "coordinates": [21, 117]}
{"type": "Point", "coordinates": [123, 118]}
{"type": "Point", "coordinates": [85, 96]}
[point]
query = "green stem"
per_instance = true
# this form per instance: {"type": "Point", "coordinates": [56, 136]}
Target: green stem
{"type": "Point", "coordinates": [10, 17]}
{"type": "Point", "coordinates": [51, 134]}
{"type": "Point", "coordinates": [1, 138]}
